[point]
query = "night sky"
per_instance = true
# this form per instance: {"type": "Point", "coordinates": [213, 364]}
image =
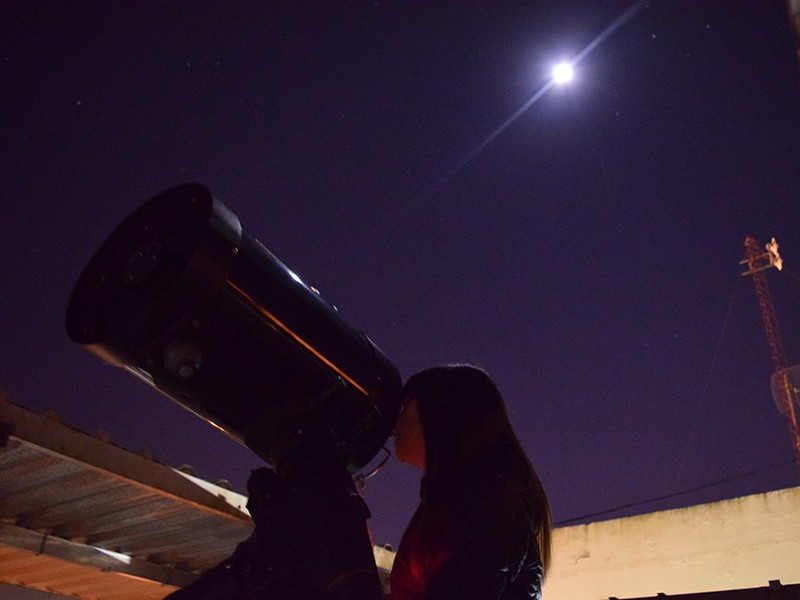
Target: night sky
{"type": "Point", "coordinates": [586, 255]}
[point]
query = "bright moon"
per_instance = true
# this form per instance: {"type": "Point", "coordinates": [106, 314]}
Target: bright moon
{"type": "Point", "coordinates": [562, 72]}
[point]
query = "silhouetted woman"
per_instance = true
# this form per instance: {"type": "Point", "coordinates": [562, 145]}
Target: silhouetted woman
{"type": "Point", "coordinates": [482, 529]}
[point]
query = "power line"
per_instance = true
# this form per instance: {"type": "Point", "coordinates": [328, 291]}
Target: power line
{"type": "Point", "coordinates": [704, 394]}
{"type": "Point", "coordinates": [675, 494]}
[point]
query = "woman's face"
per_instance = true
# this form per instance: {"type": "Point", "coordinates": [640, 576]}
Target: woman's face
{"type": "Point", "coordinates": [409, 443]}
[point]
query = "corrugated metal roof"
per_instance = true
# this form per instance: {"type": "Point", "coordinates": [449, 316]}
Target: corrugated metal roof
{"type": "Point", "coordinates": [81, 517]}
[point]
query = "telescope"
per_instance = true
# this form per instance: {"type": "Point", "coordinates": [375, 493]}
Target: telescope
{"type": "Point", "coordinates": [185, 299]}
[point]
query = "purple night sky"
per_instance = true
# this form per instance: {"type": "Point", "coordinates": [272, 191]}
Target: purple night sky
{"type": "Point", "coordinates": [586, 256]}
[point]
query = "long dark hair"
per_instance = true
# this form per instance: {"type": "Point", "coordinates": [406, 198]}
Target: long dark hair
{"type": "Point", "coordinates": [463, 416]}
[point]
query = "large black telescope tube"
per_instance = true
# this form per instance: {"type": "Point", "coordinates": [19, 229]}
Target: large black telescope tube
{"type": "Point", "coordinates": [184, 298]}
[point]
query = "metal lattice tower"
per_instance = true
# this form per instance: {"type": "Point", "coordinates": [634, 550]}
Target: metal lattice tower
{"type": "Point", "coordinates": [784, 389]}
{"type": "Point", "coordinates": [757, 262]}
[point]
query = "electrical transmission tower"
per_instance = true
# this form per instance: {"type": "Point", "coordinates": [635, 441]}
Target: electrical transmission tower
{"type": "Point", "coordinates": [786, 379]}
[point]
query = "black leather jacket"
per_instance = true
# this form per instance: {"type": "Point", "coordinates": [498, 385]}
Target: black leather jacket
{"type": "Point", "coordinates": [472, 537]}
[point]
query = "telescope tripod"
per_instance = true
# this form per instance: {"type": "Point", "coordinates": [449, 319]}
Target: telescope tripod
{"type": "Point", "coordinates": [311, 540]}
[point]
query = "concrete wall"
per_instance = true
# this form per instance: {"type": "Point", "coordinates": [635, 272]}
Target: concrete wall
{"type": "Point", "coordinates": [739, 543]}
